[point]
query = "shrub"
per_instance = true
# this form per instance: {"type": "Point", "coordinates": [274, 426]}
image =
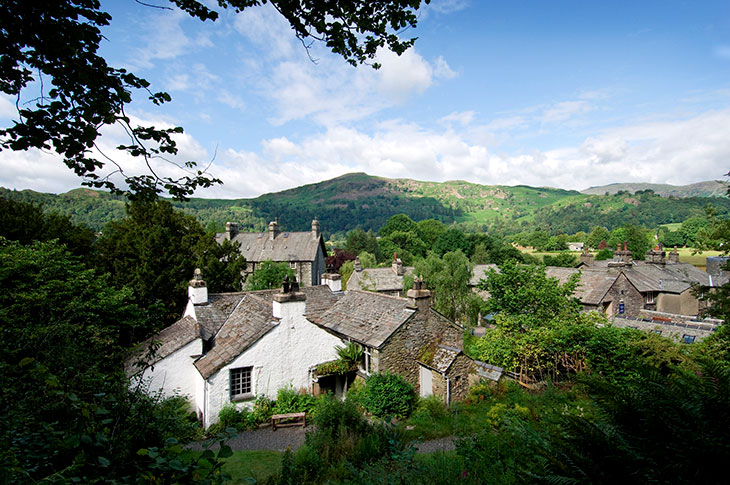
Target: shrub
{"type": "Point", "coordinates": [387, 394]}
{"type": "Point", "coordinates": [290, 401]}
{"type": "Point", "coordinates": [604, 254]}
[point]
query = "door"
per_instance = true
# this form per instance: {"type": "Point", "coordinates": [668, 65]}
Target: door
{"type": "Point", "coordinates": [426, 381]}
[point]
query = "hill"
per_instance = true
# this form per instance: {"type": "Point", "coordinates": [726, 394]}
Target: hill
{"type": "Point", "coordinates": [358, 199]}
{"type": "Point", "coordinates": [711, 188]}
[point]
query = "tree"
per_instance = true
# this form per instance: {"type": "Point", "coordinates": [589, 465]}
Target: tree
{"type": "Point", "coordinates": [452, 240]}
{"type": "Point", "coordinates": [154, 250]}
{"type": "Point", "coordinates": [448, 278]}
{"type": "Point", "coordinates": [690, 227]}
{"type": "Point", "coordinates": [399, 223]}
{"type": "Point", "coordinates": [269, 275]}
{"type": "Point", "coordinates": [430, 230]}
{"type": "Point", "coordinates": [407, 245]}
{"type": "Point", "coordinates": [23, 222]}
{"type": "Point", "coordinates": [564, 259]}
{"type": "Point", "coordinates": [597, 234]}
{"type": "Point", "coordinates": [55, 43]}
{"type": "Point", "coordinates": [636, 238]}
{"type": "Point", "coordinates": [73, 417]}
{"type": "Point", "coordinates": [359, 241]}
{"type": "Point", "coordinates": [527, 298]}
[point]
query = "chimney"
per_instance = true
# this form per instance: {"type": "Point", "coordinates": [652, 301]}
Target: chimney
{"type": "Point", "coordinates": [674, 256]}
{"type": "Point", "coordinates": [655, 255]}
{"type": "Point", "coordinates": [231, 230]}
{"type": "Point", "coordinates": [624, 256]}
{"type": "Point", "coordinates": [397, 265]}
{"type": "Point", "coordinates": [333, 280]}
{"type": "Point", "coordinates": [197, 291]}
{"type": "Point", "coordinates": [357, 265]}
{"type": "Point", "coordinates": [419, 298]}
{"type": "Point", "coordinates": [315, 228]}
{"type": "Point", "coordinates": [586, 257]}
{"type": "Point", "coordinates": [273, 229]}
{"type": "Point", "coordinates": [290, 302]}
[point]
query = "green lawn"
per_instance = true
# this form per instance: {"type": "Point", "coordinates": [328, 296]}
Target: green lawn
{"type": "Point", "coordinates": [258, 464]}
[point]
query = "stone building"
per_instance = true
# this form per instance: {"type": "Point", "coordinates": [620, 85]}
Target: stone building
{"type": "Point", "coordinates": [229, 348]}
{"type": "Point", "coordinates": [303, 251]}
{"type": "Point", "coordinates": [388, 281]}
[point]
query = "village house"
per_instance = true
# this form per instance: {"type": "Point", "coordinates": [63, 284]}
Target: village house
{"type": "Point", "coordinates": [303, 251]}
{"type": "Point", "coordinates": [388, 281]}
{"type": "Point", "coordinates": [231, 347]}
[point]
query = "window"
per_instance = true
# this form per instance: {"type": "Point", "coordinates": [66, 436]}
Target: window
{"type": "Point", "coordinates": [292, 265]}
{"type": "Point", "coordinates": [366, 354]}
{"type": "Point", "coordinates": [657, 331]}
{"type": "Point", "coordinates": [649, 297]}
{"type": "Point", "coordinates": [241, 383]}
{"type": "Point", "coordinates": [688, 339]}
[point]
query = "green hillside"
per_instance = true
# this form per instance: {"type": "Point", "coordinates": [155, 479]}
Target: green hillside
{"type": "Point", "coordinates": [358, 199]}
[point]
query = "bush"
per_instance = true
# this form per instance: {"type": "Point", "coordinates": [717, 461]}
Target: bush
{"type": "Point", "coordinates": [604, 254]}
{"type": "Point", "coordinates": [387, 394]}
{"type": "Point", "coordinates": [290, 401]}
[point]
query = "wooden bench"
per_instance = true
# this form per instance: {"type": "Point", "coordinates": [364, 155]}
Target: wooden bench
{"type": "Point", "coordinates": [297, 419]}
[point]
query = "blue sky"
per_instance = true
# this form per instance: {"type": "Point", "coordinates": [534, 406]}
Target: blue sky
{"type": "Point", "coordinates": [567, 94]}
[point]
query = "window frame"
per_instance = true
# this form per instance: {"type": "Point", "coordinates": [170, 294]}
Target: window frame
{"type": "Point", "coordinates": [688, 339]}
{"type": "Point", "coordinates": [241, 385]}
{"type": "Point", "coordinates": [649, 298]}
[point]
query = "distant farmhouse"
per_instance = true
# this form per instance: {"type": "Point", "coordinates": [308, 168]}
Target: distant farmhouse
{"type": "Point", "coordinates": [231, 347]}
{"type": "Point", "coordinates": [304, 251]}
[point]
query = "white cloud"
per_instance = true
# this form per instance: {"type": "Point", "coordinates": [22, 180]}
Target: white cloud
{"type": "Point", "coordinates": [463, 118]}
{"type": "Point", "coordinates": [7, 107]}
{"type": "Point", "coordinates": [565, 110]}
{"type": "Point", "coordinates": [442, 70]}
{"type": "Point", "coordinates": [404, 75]}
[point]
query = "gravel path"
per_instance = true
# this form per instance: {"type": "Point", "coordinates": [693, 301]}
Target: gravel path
{"type": "Point", "coordinates": [293, 437]}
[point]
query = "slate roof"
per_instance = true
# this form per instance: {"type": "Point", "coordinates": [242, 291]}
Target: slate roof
{"type": "Point", "coordinates": [444, 357]}
{"type": "Point", "coordinates": [366, 317]}
{"type": "Point", "coordinates": [213, 315]}
{"type": "Point", "coordinates": [250, 321]}
{"type": "Point", "coordinates": [593, 285]}
{"type": "Point", "coordinates": [378, 279]}
{"type": "Point", "coordinates": [286, 246]}
{"type": "Point", "coordinates": [670, 278]}
{"type": "Point", "coordinates": [172, 338]}
{"type": "Point", "coordinates": [480, 271]}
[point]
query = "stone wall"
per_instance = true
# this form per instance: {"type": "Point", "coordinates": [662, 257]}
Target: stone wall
{"type": "Point", "coordinates": [622, 289]}
{"type": "Point", "coordinates": [399, 354]}
{"type": "Point", "coordinates": [458, 375]}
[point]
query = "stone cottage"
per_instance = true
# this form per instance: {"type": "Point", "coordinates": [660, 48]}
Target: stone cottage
{"type": "Point", "coordinates": [231, 347]}
{"type": "Point", "coordinates": [388, 281]}
{"type": "Point", "coordinates": [303, 251]}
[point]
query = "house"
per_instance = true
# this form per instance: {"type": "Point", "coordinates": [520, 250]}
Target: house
{"type": "Point", "coordinates": [304, 251]}
{"type": "Point", "coordinates": [576, 246]}
{"type": "Point", "coordinates": [388, 281]}
{"type": "Point", "coordinates": [231, 347]}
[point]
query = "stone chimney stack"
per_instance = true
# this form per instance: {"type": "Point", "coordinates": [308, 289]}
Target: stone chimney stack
{"type": "Point", "coordinates": [273, 229]}
{"type": "Point", "coordinates": [332, 279]}
{"type": "Point", "coordinates": [623, 256]}
{"type": "Point", "coordinates": [655, 255]}
{"type": "Point", "coordinates": [674, 256]}
{"type": "Point", "coordinates": [197, 290]}
{"type": "Point", "coordinates": [315, 229]}
{"type": "Point", "coordinates": [231, 230]}
{"type": "Point", "coordinates": [356, 264]}
{"type": "Point", "coordinates": [290, 301]}
{"type": "Point", "coordinates": [397, 265]}
{"type": "Point", "coordinates": [586, 257]}
{"type": "Point", "coordinates": [419, 298]}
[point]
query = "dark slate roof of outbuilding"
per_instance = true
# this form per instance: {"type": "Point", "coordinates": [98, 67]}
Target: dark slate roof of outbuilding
{"type": "Point", "coordinates": [366, 317]}
{"type": "Point", "coordinates": [250, 321]}
{"type": "Point", "coordinates": [378, 279]}
{"type": "Point", "coordinates": [480, 272]}
{"type": "Point", "coordinates": [444, 357]}
{"type": "Point", "coordinates": [286, 246]}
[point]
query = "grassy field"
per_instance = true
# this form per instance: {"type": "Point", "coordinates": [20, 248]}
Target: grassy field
{"type": "Point", "coordinates": [685, 255]}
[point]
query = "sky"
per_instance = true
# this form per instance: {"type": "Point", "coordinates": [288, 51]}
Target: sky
{"type": "Point", "coordinates": [567, 94]}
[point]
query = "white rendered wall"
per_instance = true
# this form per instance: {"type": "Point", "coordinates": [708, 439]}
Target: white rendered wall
{"type": "Point", "coordinates": [280, 358]}
{"type": "Point", "coordinates": [175, 374]}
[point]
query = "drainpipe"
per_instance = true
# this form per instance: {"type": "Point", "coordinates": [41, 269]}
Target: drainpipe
{"type": "Point", "coordinates": [448, 390]}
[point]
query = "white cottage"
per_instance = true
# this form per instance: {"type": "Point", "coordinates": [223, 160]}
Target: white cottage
{"type": "Point", "coordinates": [232, 347]}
